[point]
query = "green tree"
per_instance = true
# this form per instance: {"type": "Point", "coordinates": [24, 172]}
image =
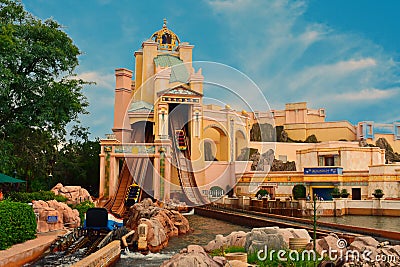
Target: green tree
{"type": "Point", "coordinates": [37, 60]}
{"type": "Point", "coordinates": [39, 91]}
{"type": "Point", "coordinates": [78, 161]}
{"type": "Point", "coordinates": [299, 191]}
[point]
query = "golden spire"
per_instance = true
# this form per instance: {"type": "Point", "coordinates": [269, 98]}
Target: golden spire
{"type": "Point", "coordinates": [166, 39]}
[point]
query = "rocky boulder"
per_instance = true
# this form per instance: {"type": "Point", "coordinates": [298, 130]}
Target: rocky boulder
{"type": "Point", "coordinates": [329, 243]}
{"type": "Point", "coordinates": [279, 165]}
{"type": "Point", "coordinates": [269, 237]}
{"type": "Point", "coordinates": [288, 233]}
{"type": "Point", "coordinates": [162, 223]}
{"type": "Point", "coordinates": [74, 194]}
{"type": "Point", "coordinates": [237, 239]}
{"type": "Point", "coordinates": [390, 155]}
{"type": "Point", "coordinates": [258, 238]}
{"type": "Point", "coordinates": [193, 256]}
{"type": "Point", "coordinates": [45, 210]}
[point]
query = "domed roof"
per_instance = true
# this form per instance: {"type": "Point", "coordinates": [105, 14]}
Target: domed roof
{"type": "Point", "coordinates": [166, 39]}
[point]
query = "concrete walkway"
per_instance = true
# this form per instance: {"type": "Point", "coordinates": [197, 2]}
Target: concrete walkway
{"type": "Point", "coordinates": [30, 250]}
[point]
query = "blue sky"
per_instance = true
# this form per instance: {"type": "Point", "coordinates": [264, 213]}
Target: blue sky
{"type": "Point", "coordinates": [339, 55]}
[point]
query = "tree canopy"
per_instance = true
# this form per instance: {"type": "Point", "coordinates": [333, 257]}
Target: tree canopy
{"type": "Point", "coordinates": [40, 93]}
{"type": "Point", "coordinates": [37, 62]}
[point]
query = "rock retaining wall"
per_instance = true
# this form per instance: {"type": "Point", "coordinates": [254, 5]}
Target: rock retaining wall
{"type": "Point", "coordinates": [65, 216]}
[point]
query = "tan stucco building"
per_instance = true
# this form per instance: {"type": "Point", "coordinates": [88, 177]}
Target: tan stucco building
{"type": "Point", "coordinates": [169, 142]}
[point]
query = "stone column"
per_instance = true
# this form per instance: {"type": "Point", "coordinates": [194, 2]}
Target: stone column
{"type": "Point", "coordinates": [123, 92]}
{"type": "Point", "coordinates": [167, 177]}
{"type": "Point", "coordinates": [156, 174]}
{"type": "Point", "coordinates": [102, 174]}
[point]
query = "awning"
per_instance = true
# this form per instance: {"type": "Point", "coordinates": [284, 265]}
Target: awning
{"type": "Point", "coordinates": [8, 179]}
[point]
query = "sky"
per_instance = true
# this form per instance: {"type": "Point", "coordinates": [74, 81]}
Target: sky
{"type": "Point", "coordinates": [339, 55]}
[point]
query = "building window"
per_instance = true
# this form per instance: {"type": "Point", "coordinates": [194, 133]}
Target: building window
{"type": "Point", "coordinates": [369, 129]}
{"type": "Point", "coordinates": [283, 158]}
{"type": "Point", "coordinates": [329, 160]}
{"type": "Point", "coordinates": [397, 133]}
{"type": "Point", "coordinates": [321, 161]}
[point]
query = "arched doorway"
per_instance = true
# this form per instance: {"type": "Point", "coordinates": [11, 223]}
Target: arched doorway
{"type": "Point", "coordinates": [240, 142]}
{"type": "Point", "coordinates": [216, 140]}
{"type": "Point", "coordinates": [142, 132]}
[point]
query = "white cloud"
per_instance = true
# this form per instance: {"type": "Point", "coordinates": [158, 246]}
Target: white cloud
{"type": "Point", "coordinates": [234, 5]}
{"type": "Point", "coordinates": [104, 80]}
{"type": "Point", "coordinates": [367, 94]}
{"type": "Point", "coordinates": [293, 59]}
{"type": "Point", "coordinates": [101, 101]}
{"type": "Point", "coordinates": [334, 71]}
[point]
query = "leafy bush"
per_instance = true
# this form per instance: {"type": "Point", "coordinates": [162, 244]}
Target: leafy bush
{"type": "Point", "coordinates": [262, 192]}
{"type": "Point", "coordinates": [344, 193]}
{"type": "Point", "coordinates": [17, 223]}
{"type": "Point", "coordinates": [378, 193]}
{"type": "Point", "coordinates": [82, 208]}
{"type": "Point", "coordinates": [40, 195]}
{"type": "Point", "coordinates": [299, 191]}
{"type": "Point", "coordinates": [336, 192]}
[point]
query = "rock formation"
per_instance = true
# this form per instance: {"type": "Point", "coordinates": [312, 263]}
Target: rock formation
{"type": "Point", "coordinates": [267, 162]}
{"type": "Point", "coordinates": [66, 217]}
{"type": "Point", "coordinates": [390, 155]}
{"type": "Point", "coordinates": [162, 223]}
{"type": "Point", "coordinates": [193, 255]}
{"type": "Point", "coordinates": [275, 238]}
{"type": "Point", "coordinates": [262, 162]}
{"type": "Point", "coordinates": [368, 249]}
{"type": "Point", "coordinates": [75, 194]}
{"type": "Point", "coordinates": [279, 165]}
{"type": "Point", "coordinates": [284, 137]}
{"type": "Point", "coordinates": [257, 238]}
{"type": "Point", "coordinates": [237, 239]}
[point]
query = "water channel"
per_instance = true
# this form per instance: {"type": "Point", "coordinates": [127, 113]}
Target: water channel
{"type": "Point", "coordinates": [377, 222]}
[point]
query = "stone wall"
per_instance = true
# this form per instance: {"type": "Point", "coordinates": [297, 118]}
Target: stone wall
{"type": "Point", "coordinates": [65, 215]}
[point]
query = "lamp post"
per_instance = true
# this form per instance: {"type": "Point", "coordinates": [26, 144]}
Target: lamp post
{"type": "Point", "coordinates": [51, 162]}
{"type": "Point", "coordinates": [50, 177]}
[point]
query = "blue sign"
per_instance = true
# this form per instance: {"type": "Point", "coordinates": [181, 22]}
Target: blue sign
{"type": "Point", "coordinates": [327, 170]}
{"type": "Point", "coordinates": [52, 219]}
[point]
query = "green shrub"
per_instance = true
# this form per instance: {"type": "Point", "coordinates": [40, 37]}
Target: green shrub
{"type": "Point", "coordinates": [336, 192]}
{"type": "Point", "coordinates": [82, 208]}
{"type": "Point", "coordinates": [17, 223]}
{"type": "Point", "coordinates": [40, 195]}
{"type": "Point", "coordinates": [299, 191]}
{"type": "Point", "coordinates": [378, 191]}
{"type": "Point", "coordinates": [262, 192]}
{"type": "Point", "coordinates": [344, 193]}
